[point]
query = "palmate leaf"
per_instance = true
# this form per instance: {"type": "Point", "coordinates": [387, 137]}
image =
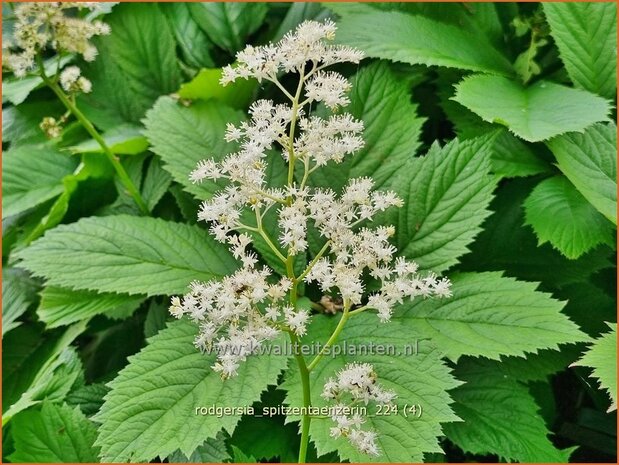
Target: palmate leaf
{"type": "Point", "coordinates": [182, 136]}
{"type": "Point", "coordinates": [122, 254]}
{"type": "Point", "coordinates": [500, 417]}
{"type": "Point", "coordinates": [31, 175]}
{"type": "Point", "coordinates": [412, 39]}
{"type": "Point", "coordinates": [589, 161]}
{"type": "Point", "coordinates": [391, 133]}
{"type": "Point", "coordinates": [421, 379]}
{"type": "Point", "coordinates": [54, 434]}
{"type": "Point", "coordinates": [490, 315]}
{"type": "Point", "coordinates": [150, 410]}
{"type": "Point", "coordinates": [602, 357]}
{"type": "Point", "coordinates": [534, 113]}
{"type": "Point", "coordinates": [559, 214]}
{"type": "Point", "coordinates": [586, 35]}
{"type": "Point", "coordinates": [446, 194]}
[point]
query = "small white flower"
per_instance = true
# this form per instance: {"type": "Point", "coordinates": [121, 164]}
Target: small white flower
{"type": "Point", "coordinates": [328, 87]}
{"type": "Point", "coordinates": [356, 382]}
{"type": "Point", "coordinates": [296, 320]}
{"type": "Point", "coordinates": [41, 25]}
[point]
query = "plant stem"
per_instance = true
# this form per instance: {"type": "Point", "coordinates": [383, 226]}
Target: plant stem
{"type": "Point", "coordinates": [314, 260]}
{"type": "Point", "coordinates": [266, 237]}
{"type": "Point", "coordinates": [307, 401]}
{"type": "Point", "coordinates": [85, 122]}
{"type": "Point", "coordinates": [333, 338]}
{"type": "Point", "coordinates": [293, 123]}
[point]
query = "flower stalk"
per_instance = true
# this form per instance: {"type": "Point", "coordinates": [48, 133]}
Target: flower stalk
{"type": "Point", "coordinates": [92, 131]}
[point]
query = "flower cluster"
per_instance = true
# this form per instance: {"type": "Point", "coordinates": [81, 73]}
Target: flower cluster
{"type": "Point", "coordinates": [51, 127]}
{"type": "Point", "coordinates": [73, 82]}
{"type": "Point", "coordinates": [229, 313]}
{"type": "Point", "coordinates": [251, 306]}
{"type": "Point", "coordinates": [356, 383]}
{"type": "Point", "coordinates": [39, 25]}
{"type": "Point", "coordinates": [308, 43]}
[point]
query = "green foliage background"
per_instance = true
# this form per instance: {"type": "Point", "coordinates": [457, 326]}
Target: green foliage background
{"type": "Point", "coordinates": [496, 123]}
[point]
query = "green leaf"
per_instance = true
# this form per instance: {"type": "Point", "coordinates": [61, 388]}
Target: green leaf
{"type": "Point", "coordinates": [32, 175]}
{"type": "Point", "coordinates": [446, 194]}
{"type": "Point", "coordinates": [126, 139]}
{"type": "Point", "coordinates": [296, 14]}
{"type": "Point", "coordinates": [420, 380]}
{"type": "Point", "coordinates": [500, 417]}
{"type": "Point", "coordinates": [61, 307]}
{"type": "Point", "coordinates": [242, 457]}
{"type": "Point", "coordinates": [122, 254]}
{"type": "Point", "coordinates": [534, 113]}
{"type": "Point", "coordinates": [281, 443]}
{"type": "Point", "coordinates": [589, 161]}
{"type": "Point", "coordinates": [155, 318]}
{"type": "Point", "coordinates": [18, 293]}
{"type": "Point", "coordinates": [535, 367]}
{"type": "Point", "coordinates": [54, 434]}
{"type": "Point", "coordinates": [602, 357]}
{"type": "Point", "coordinates": [206, 86]}
{"type": "Point", "coordinates": [511, 157]}
{"type": "Point", "coordinates": [136, 64]}
{"type": "Point", "coordinates": [586, 35]}
{"type": "Point", "coordinates": [54, 379]}
{"type": "Point", "coordinates": [16, 90]}
{"type": "Point", "coordinates": [89, 398]}
{"type": "Point", "coordinates": [507, 245]}
{"type": "Point", "coordinates": [182, 136]}
{"type": "Point", "coordinates": [156, 183]}
{"type": "Point", "coordinates": [392, 129]}
{"type": "Point", "coordinates": [212, 451]}
{"type": "Point", "coordinates": [491, 315]}
{"type": "Point", "coordinates": [228, 24]}
{"type": "Point", "coordinates": [151, 408]}
{"type": "Point", "coordinates": [20, 124]}
{"type": "Point", "coordinates": [194, 44]}
{"type": "Point", "coordinates": [559, 214]}
{"type": "Point", "coordinates": [57, 211]}
{"type": "Point", "coordinates": [411, 39]}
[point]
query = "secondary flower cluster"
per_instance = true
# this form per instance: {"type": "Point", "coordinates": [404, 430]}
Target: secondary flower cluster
{"type": "Point", "coordinates": [39, 25]}
{"type": "Point", "coordinates": [308, 43]}
{"type": "Point", "coordinates": [356, 383]}
{"type": "Point", "coordinates": [72, 81]}
{"type": "Point", "coordinates": [240, 312]}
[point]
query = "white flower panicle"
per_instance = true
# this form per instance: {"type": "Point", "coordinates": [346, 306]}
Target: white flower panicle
{"type": "Point", "coordinates": [42, 25]}
{"type": "Point", "coordinates": [307, 44]}
{"type": "Point", "coordinates": [356, 383]}
{"type": "Point", "coordinates": [250, 307]}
